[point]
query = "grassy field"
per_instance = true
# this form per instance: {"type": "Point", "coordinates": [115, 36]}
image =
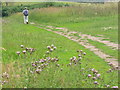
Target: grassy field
{"type": "Point", "coordinates": [23, 69]}
{"type": "Point", "coordinates": [85, 18]}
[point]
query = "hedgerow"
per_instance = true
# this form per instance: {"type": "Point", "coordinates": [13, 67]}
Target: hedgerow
{"type": "Point", "coordinates": [8, 10]}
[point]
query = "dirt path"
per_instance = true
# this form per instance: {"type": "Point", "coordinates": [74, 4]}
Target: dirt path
{"type": "Point", "coordinates": [86, 36]}
{"type": "Point", "coordinates": [100, 39]}
{"type": "Point", "coordinates": [70, 35]}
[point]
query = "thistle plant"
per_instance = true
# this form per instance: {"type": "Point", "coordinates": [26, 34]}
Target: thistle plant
{"type": "Point", "coordinates": [38, 66]}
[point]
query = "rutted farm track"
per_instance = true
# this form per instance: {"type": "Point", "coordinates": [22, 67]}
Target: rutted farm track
{"type": "Point", "coordinates": [82, 40]}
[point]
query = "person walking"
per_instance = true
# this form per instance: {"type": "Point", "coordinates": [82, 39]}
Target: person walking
{"type": "Point", "coordinates": [25, 13]}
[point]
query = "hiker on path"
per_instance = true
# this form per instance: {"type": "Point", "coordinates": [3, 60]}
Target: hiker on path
{"type": "Point", "coordinates": [25, 13]}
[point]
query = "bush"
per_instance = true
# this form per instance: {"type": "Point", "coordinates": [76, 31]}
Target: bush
{"type": "Point", "coordinates": [6, 11]}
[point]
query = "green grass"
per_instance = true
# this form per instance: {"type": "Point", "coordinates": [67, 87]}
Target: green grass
{"type": "Point", "coordinates": [81, 18]}
{"type": "Point", "coordinates": [104, 48]}
{"type": "Point", "coordinates": [15, 33]}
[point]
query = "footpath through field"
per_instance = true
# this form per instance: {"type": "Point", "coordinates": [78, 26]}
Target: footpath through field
{"type": "Point", "coordinates": [81, 39]}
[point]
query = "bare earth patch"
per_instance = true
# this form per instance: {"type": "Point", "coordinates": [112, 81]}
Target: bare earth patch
{"type": "Point", "coordinates": [100, 39]}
